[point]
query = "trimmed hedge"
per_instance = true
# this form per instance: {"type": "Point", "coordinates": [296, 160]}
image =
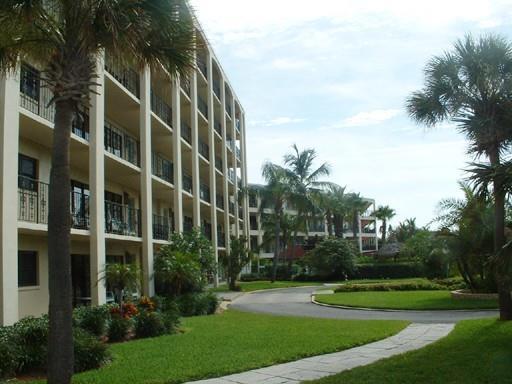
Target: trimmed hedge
{"type": "Point", "coordinates": [390, 287]}
{"type": "Point", "coordinates": [387, 271]}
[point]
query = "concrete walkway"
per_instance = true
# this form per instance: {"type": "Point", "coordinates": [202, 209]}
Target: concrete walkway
{"type": "Point", "coordinates": [415, 336]}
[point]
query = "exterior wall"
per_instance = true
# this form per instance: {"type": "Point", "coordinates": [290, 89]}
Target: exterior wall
{"type": "Point", "coordinates": [145, 118]}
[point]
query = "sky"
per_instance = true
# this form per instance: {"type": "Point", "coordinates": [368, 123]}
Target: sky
{"type": "Point", "coordinates": [334, 75]}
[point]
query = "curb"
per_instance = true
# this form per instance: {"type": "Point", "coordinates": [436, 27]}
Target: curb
{"type": "Point", "coordinates": [313, 301]}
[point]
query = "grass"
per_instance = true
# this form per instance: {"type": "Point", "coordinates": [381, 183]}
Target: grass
{"type": "Point", "coordinates": [476, 352]}
{"type": "Point", "coordinates": [420, 300]}
{"type": "Point", "coordinates": [217, 345]}
{"type": "Point", "coordinates": [249, 286]}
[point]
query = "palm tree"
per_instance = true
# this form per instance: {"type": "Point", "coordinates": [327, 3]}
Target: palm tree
{"type": "Point", "coordinates": [356, 205]}
{"type": "Point", "coordinates": [65, 38]}
{"type": "Point", "coordinates": [305, 181]}
{"type": "Point", "coordinates": [275, 194]}
{"type": "Point", "coordinates": [122, 279]}
{"type": "Point", "coordinates": [334, 202]}
{"type": "Point", "coordinates": [471, 86]}
{"type": "Point", "coordinates": [384, 213]}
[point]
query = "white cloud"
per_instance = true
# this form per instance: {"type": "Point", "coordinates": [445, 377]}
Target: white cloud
{"type": "Point", "coordinates": [288, 63]}
{"type": "Point", "coordinates": [276, 121]}
{"type": "Point", "coordinates": [370, 118]}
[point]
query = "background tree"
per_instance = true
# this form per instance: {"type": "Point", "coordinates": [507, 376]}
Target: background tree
{"type": "Point", "coordinates": [235, 261]}
{"type": "Point", "coordinates": [471, 86]}
{"type": "Point", "coordinates": [384, 213]}
{"type": "Point", "coordinates": [123, 279]}
{"type": "Point", "coordinates": [64, 38]}
{"type": "Point", "coordinates": [356, 205]}
{"type": "Point", "coordinates": [332, 258]}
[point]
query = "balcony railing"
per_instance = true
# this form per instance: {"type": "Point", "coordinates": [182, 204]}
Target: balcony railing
{"type": "Point", "coordinates": [185, 85]}
{"type": "Point", "coordinates": [162, 168]}
{"type": "Point", "coordinates": [228, 109]}
{"type": "Point", "coordinates": [231, 175]}
{"type": "Point", "coordinates": [202, 106]}
{"type": "Point", "coordinates": [121, 144]}
{"type": "Point", "coordinates": [186, 132]}
{"type": "Point", "coordinates": [80, 126]}
{"type": "Point", "coordinates": [202, 67]}
{"type": "Point", "coordinates": [204, 149]}
{"type": "Point", "coordinates": [187, 183]}
{"type": "Point", "coordinates": [218, 127]}
{"type": "Point", "coordinates": [162, 227]}
{"type": "Point", "coordinates": [237, 153]}
{"type": "Point", "coordinates": [253, 201]}
{"type": "Point", "coordinates": [207, 230]}
{"type": "Point", "coordinates": [128, 77]}
{"type": "Point", "coordinates": [216, 88]}
{"type": "Point", "coordinates": [122, 219]}
{"type": "Point", "coordinates": [237, 125]}
{"type": "Point", "coordinates": [161, 108]}
{"type": "Point", "coordinates": [34, 96]}
{"type": "Point", "coordinates": [221, 239]}
{"type": "Point", "coordinates": [219, 200]}
{"type": "Point", "coordinates": [230, 144]}
{"type": "Point", "coordinates": [33, 204]}
{"type": "Point", "coordinates": [204, 193]}
{"type": "Point", "coordinates": [231, 207]}
{"type": "Point", "coordinates": [218, 163]}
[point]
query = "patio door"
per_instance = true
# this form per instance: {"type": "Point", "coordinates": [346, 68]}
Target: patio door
{"type": "Point", "coordinates": [81, 279]}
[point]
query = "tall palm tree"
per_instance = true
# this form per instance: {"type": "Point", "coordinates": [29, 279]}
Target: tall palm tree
{"type": "Point", "coordinates": [384, 213]}
{"type": "Point", "coordinates": [334, 202]}
{"type": "Point", "coordinates": [356, 205]}
{"type": "Point", "coordinates": [64, 38]}
{"type": "Point", "coordinates": [305, 180]}
{"type": "Point", "coordinates": [275, 194]}
{"type": "Point", "coordinates": [471, 86]}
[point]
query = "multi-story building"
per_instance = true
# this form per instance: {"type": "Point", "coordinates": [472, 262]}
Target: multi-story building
{"type": "Point", "coordinates": [366, 227]}
{"type": "Point", "coordinates": [151, 156]}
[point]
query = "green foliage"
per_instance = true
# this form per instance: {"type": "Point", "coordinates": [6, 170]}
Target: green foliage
{"type": "Point", "coordinates": [198, 304]}
{"type": "Point", "coordinates": [185, 264]}
{"type": "Point", "coordinates": [332, 258]}
{"type": "Point", "coordinates": [397, 286]}
{"type": "Point", "coordinates": [10, 352]}
{"type": "Point", "coordinates": [234, 261]}
{"type": "Point", "coordinates": [388, 270]}
{"type": "Point", "coordinates": [31, 335]}
{"type": "Point", "coordinates": [149, 324]}
{"type": "Point", "coordinates": [118, 328]}
{"type": "Point", "coordinates": [405, 230]}
{"type": "Point", "coordinates": [122, 279]}
{"type": "Point", "coordinates": [90, 353]}
{"type": "Point", "coordinates": [92, 319]}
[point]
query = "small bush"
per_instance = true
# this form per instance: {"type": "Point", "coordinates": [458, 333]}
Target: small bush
{"type": "Point", "coordinates": [387, 271]}
{"type": "Point", "coordinates": [332, 258]}
{"type": "Point", "coordinates": [92, 319]}
{"type": "Point", "coordinates": [211, 302]}
{"type": "Point", "coordinates": [31, 335]}
{"type": "Point", "coordinates": [118, 328]}
{"type": "Point", "coordinates": [390, 287]}
{"type": "Point", "coordinates": [171, 321]}
{"type": "Point", "coordinates": [10, 352]}
{"type": "Point", "coordinates": [149, 324]}
{"type": "Point", "coordinates": [198, 304]}
{"type": "Point", "coordinates": [90, 353]}
{"type": "Point", "coordinates": [250, 277]}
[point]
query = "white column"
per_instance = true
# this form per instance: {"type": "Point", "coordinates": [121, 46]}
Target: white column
{"type": "Point", "coordinates": [360, 239]}
{"type": "Point", "coordinates": [235, 166]}
{"type": "Point", "coordinates": [9, 135]}
{"type": "Point", "coordinates": [146, 182]}
{"type": "Point", "coordinates": [176, 147]}
{"type": "Point", "coordinates": [243, 159]}
{"type": "Point", "coordinates": [97, 185]}
{"type": "Point", "coordinates": [227, 226]}
{"type": "Point", "coordinates": [196, 202]}
{"type": "Point", "coordinates": [212, 173]}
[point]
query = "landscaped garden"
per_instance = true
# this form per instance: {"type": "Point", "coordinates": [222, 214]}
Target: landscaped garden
{"type": "Point", "coordinates": [250, 286]}
{"type": "Point", "coordinates": [476, 352]}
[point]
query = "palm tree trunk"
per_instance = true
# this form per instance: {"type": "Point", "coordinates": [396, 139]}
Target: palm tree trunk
{"type": "Point", "coordinates": [502, 270]}
{"type": "Point", "coordinates": [329, 223]}
{"type": "Point", "coordinates": [277, 233]}
{"type": "Point", "coordinates": [60, 342]}
{"type": "Point", "coordinates": [384, 230]}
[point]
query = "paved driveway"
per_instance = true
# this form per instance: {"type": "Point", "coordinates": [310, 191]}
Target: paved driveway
{"type": "Point", "coordinates": [297, 302]}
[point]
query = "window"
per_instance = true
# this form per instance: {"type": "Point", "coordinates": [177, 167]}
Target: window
{"type": "Point", "coordinates": [27, 173]}
{"type": "Point", "coordinates": [27, 269]}
{"type": "Point", "coordinates": [29, 82]}
{"type": "Point", "coordinates": [80, 204]}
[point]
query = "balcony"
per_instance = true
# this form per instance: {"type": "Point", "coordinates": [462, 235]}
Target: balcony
{"type": "Point", "coordinates": [162, 227]}
{"type": "Point", "coordinates": [202, 106]}
{"type": "Point", "coordinates": [162, 168]}
{"type": "Point", "coordinates": [204, 193]}
{"type": "Point", "coordinates": [228, 109]}
{"type": "Point", "coordinates": [231, 208]}
{"type": "Point", "coordinates": [237, 153]}
{"type": "Point", "coordinates": [207, 230]}
{"type": "Point", "coordinates": [80, 126]}
{"type": "Point", "coordinates": [216, 88]}
{"type": "Point", "coordinates": [231, 175]}
{"type": "Point", "coordinates": [253, 201]}
{"type": "Point", "coordinates": [219, 200]}
{"type": "Point", "coordinates": [33, 204]}
{"type": "Point", "coordinates": [128, 77]}
{"type": "Point", "coordinates": [121, 144]}
{"type": "Point", "coordinates": [186, 132]}
{"type": "Point", "coordinates": [204, 149]}
{"type": "Point", "coordinates": [218, 163]}
{"type": "Point", "coordinates": [185, 85]}
{"type": "Point", "coordinates": [218, 127]}
{"type": "Point", "coordinates": [237, 125]}
{"type": "Point", "coordinates": [161, 109]}
{"type": "Point", "coordinates": [221, 239]}
{"type": "Point", "coordinates": [187, 183]}
{"type": "Point", "coordinates": [188, 224]}
{"type": "Point", "coordinates": [201, 65]}
{"type": "Point", "coordinates": [34, 97]}
{"type": "Point", "coordinates": [122, 219]}
{"type": "Point", "coordinates": [317, 227]}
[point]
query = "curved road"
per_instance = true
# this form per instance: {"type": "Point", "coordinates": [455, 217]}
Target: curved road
{"type": "Point", "coordinates": [297, 302]}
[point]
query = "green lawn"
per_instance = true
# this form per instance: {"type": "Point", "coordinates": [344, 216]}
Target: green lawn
{"type": "Point", "coordinates": [232, 342]}
{"type": "Point", "coordinates": [476, 352]}
{"type": "Point", "coordinates": [249, 286]}
{"type": "Point", "coordinates": [404, 300]}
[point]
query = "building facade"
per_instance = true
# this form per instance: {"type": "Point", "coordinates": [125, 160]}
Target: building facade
{"type": "Point", "coordinates": [367, 231]}
{"type": "Point", "coordinates": [150, 157]}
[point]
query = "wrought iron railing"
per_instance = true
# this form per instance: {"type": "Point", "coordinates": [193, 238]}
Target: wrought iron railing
{"type": "Point", "coordinates": [187, 183]}
{"type": "Point", "coordinates": [161, 108]}
{"type": "Point", "coordinates": [186, 132]}
{"type": "Point", "coordinates": [204, 193]}
{"type": "Point", "coordinates": [202, 106]}
{"type": "Point", "coordinates": [216, 88]}
{"type": "Point", "coordinates": [162, 168]}
{"type": "Point", "coordinates": [228, 109]}
{"type": "Point", "coordinates": [253, 201]}
{"type": "Point", "coordinates": [34, 96]}
{"type": "Point", "coordinates": [204, 149]}
{"type": "Point", "coordinates": [80, 210]}
{"type": "Point", "coordinates": [162, 227]}
{"type": "Point", "coordinates": [80, 126]}
{"type": "Point", "coordinates": [121, 144]}
{"type": "Point", "coordinates": [128, 77]}
{"type": "Point", "coordinates": [122, 219]}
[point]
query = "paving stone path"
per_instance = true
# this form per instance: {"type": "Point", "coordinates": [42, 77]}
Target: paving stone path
{"type": "Point", "coordinates": [415, 336]}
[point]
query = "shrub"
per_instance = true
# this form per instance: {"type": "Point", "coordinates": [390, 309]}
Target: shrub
{"type": "Point", "coordinates": [90, 353]}
{"type": "Point", "coordinates": [10, 352]}
{"type": "Point", "coordinates": [387, 271]}
{"type": "Point", "coordinates": [332, 258]}
{"type": "Point", "coordinates": [427, 286]}
{"type": "Point", "coordinates": [118, 328]}
{"type": "Point", "coordinates": [211, 302]}
{"type": "Point", "coordinates": [250, 277]}
{"type": "Point", "coordinates": [197, 304]}
{"type": "Point", "coordinates": [170, 312]}
{"type": "Point", "coordinates": [149, 324]}
{"type": "Point", "coordinates": [92, 319]}
{"type": "Point", "coordinates": [147, 304]}
{"type": "Point", "coordinates": [31, 335]}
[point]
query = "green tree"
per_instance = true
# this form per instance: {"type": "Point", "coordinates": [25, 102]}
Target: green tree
{"type": "Point", "coordinates": [332, 258]}
{"type": "Point", "coordinates": [384, 213]}
{"type": "Point", "coordinates": [122, 279]}
{"type": "Point", "coordinates": [64, 38]}
{"type": "Point", "coordinates": [471, 86]}
{"type": "Point", "coordinates": [356, 205]}
{"type": "Point", "coordinates": [234, 261]}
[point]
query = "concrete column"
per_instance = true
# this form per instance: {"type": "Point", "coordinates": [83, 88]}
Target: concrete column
{"type": "Point", "coordinates": [146, 182]}
{"type": "Point", "coordinates": [243, 159]}
{"type": "Point", "coordinates": [9, 135]}
{"type": "Point", "coordinates": [97, 185]}
{"type": "Point", "coordinates": [196, 202]}
{"type": "Point", "coordinates": [235, 167]}
{"type": "Point", "coordinates": [225, 167]}
{"type": "Point", "coordinates": [212, 172]}
{"type": "Point", "coordinates": [360, 235]}
{"type": "Point", "coordinates": [176, 148]}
